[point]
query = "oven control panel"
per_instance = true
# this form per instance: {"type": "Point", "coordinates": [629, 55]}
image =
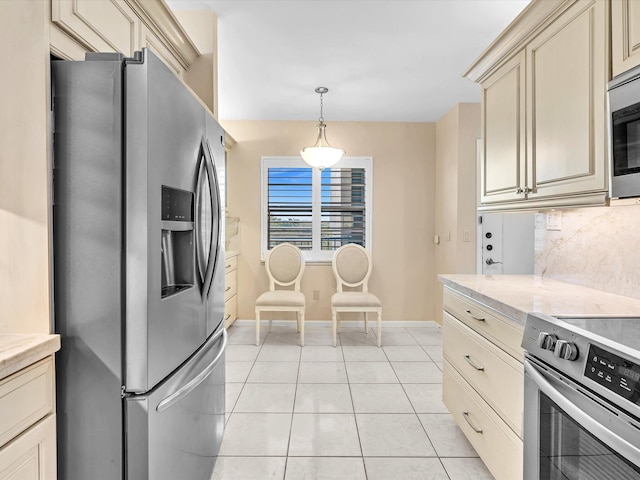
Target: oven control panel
{"type": "Point", "coordinates": [615, 373]}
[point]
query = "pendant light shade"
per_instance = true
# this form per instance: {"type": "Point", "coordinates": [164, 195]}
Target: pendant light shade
{"type": "Point", "coordinates": [321, 154]}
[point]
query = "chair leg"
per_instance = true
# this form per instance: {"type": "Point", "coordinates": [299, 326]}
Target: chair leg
{"type": "Point", "coordinates": [257, 327]}
{"type": "Point", "coordinates": [301, 314]}
{"type": "Point", "coordinates": [379, 328]}
{"type": "Point", "coordinates": [366, 330]}
{"type": "Point", "coordinates": [334, 324]}
{"type": "Point", "coordinates": [298, 321]}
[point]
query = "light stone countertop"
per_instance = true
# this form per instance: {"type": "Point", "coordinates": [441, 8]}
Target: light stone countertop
{"type": "Point", "coordinates": [19, 350]}
{"type": "Point", "coordinates": [230, 253]}
{"type": "Point", "coordinates": [517, 295]}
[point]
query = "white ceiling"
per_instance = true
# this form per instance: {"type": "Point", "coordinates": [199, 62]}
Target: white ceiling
{"type": "Point", "coordinates": [382, 60]}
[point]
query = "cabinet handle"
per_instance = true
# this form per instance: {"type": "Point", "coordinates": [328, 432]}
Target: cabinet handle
{"type": "Point", "coordinates": [470, 362]}
{"type": "Point", "coordinates": [228, 288]}
{"type": "Point", "coordinates": [466, 417]}
{"type": "Point", "coordinates": [227, 266]}
{"type": "Point", "coordinates": [474, 317]}
{"type": "Point", "coordinates": [227, 317]}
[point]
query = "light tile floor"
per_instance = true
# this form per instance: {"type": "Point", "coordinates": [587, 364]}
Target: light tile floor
{"type": "Point", "coordinates": [353, 412]}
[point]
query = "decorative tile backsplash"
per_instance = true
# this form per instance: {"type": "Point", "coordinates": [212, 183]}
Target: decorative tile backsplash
{"type": "Point", "coordinates": [597, 247]}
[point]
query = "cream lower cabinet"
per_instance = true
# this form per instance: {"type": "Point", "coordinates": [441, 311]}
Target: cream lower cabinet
{"type": "Point", "coordinates": [28, 423]}
{"type": "Point", "coordinates": [625, 35]}
{"type": "Point", "coordinates": [483, 381]}
{"type": "Point", "coordinates": [544, 111]}
{"type": "Point", "coordinates": [230, 294]}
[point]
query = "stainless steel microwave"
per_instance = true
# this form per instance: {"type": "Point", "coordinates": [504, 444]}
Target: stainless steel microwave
{"type": "Point", "coordinates": [624, 131]}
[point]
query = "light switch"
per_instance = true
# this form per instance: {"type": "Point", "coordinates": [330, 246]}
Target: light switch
{"type": "Point", "coordinates": [466, 236]}
{"type": "Point", "coordinates": [436, 239]}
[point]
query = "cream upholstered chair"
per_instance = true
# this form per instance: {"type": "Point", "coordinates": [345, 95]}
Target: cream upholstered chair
{"type": "Point", "coordinates": [352, 268]}
{"type": "Point", "coordinates": [284, 264]}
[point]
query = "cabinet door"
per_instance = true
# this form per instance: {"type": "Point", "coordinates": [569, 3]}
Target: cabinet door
{"type": "Point", "coordinates": [566, 106]}
{"type": "Point", "coordinates": [32, 455]}
{"type": "Point", "coordinates": [625, 35]}
{"type": "Point", "coordinates": [105, 26]}
{"type": "Point", "coordinates": [502, 159]}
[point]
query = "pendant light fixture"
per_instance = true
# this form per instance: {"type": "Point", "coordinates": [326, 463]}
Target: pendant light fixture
{"type": "Point", "coordinates": [321, 155]}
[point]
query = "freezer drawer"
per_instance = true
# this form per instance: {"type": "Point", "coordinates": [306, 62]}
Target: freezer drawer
{"type": "Point", "coordinates": [176, 430]}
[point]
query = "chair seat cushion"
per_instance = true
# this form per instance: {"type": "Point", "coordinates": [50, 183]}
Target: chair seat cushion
{"type": "Point", "coordinates": [355, 299]}
{"type": "Point", "coordinates": [281, 298]}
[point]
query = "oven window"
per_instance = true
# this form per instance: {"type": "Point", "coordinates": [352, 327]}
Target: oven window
{"type": "Point", "coordinates": [568, 452]}
{"type": "Point", "coordinates": [626, 140]}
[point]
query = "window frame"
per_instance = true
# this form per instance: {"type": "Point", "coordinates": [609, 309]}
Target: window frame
{"type": "Point", "coordinates": [315, 255]}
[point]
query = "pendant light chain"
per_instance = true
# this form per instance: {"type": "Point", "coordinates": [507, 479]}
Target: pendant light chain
{"type": "Point", "coordinates": [321, 106]}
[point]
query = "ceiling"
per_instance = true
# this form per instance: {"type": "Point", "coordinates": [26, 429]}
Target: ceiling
{"type": "Point", "coordinates": [382, 60]}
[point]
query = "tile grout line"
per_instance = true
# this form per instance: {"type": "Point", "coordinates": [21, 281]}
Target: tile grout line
{"type": "Point", "coordinates": [353, 407]}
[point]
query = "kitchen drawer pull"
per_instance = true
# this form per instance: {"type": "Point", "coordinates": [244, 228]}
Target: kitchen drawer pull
{"type": "Point", "coordinates": [227, 266]}
{"type": "Point", "coordinates": [480, 319]}
{"type": "Point", "coordinates": [227, 317]}
{"type": "Point", "coordinates": [468, 360]}
{"type": "Point", "coordinates": [466, 417]}
{"type": "Point", "coordinates": [227, 289]}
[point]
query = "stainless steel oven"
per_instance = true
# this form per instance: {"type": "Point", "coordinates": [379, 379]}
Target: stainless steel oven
{"type": "Point", "coordinates": [582, 398]}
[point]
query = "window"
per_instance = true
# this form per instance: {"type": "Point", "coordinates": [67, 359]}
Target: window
{"type": "Point", "coordinates": [318, 211]}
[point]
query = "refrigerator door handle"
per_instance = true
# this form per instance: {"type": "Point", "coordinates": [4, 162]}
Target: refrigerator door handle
{"type": "Point", "coordinates": [214, 193]}
{"type": "Point", "coordinates": [201, 377]}
{"type": "Point", "coordinates": [200, 259]}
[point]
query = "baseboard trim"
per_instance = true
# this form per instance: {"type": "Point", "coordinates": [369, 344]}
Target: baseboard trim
{"type": "Point", "coordinates": [345, 323]}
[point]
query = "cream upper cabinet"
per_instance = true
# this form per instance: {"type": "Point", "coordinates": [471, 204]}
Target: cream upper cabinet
{"type": "Point", "coordinates": [502, 172]}
{"type": "Point", "coordinates": [150, 40]}
{"type": "Point", "coordinates": [103, 26]}
{"type": "Point", "coordinates": [625, 35]}
{"type": "Point", "coordinates": [120, 26]}
{"type": "Point", "coordinates": [567, 74]}
{"type": "Point", "coordinates": [544, 132]}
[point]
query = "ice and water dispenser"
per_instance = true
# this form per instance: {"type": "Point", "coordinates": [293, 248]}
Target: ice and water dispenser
{"type": "Point", "coordinates": [177, 241]}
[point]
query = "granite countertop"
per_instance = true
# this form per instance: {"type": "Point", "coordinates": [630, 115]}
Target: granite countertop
{"type": "Point", "coordinates": [19, 350]}
{"type": "Point", "coordinates": [517, 295]}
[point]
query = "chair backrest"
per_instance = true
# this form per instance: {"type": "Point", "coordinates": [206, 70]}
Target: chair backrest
{"type": "Point", "coordinates": [284, 264]}
{"type": "Point", "coordinates": [352, 266]}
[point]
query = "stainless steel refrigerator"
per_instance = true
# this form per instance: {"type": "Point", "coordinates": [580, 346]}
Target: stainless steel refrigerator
{"type": "Point", "coordinates": [138, 171]}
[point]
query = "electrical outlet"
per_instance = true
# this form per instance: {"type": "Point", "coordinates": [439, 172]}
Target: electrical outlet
{"type": "Point", "coordinates": [554, 220]}
{"type": "Point", "coordinates": [316, 294]}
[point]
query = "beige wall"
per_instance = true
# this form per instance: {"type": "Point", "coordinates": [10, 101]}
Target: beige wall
{"type": "Point", "coordinates": [403, 210]}
{"type": "Point", "coordinates": [24, 188]}
{"type": "Point", "coordinates": [455, 196]}
{"type": "Point", "coordinates": [202, 75]}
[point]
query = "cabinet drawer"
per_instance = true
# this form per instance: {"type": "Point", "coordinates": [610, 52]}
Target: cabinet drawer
{"type": "Point", "coordinates": [497, 377]}
{"type": "Point", "coordinates": [229, 285]}
{"type": "Point", "coordinates": [230, 263]}
{"type": "Point", "coordinates": [32, 455]}
{"type": "Point", "coordinates": [230, 311]}
{"type": "Point", "coordinates": [501, 330]}
{"type": "Point", "coordinates": [25, 397]}
{"type": "Point", "coordinates": [497, 445]}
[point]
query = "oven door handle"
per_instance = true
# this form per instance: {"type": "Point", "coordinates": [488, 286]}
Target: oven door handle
{"type": "Point", "coordinates": [620, 445]}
